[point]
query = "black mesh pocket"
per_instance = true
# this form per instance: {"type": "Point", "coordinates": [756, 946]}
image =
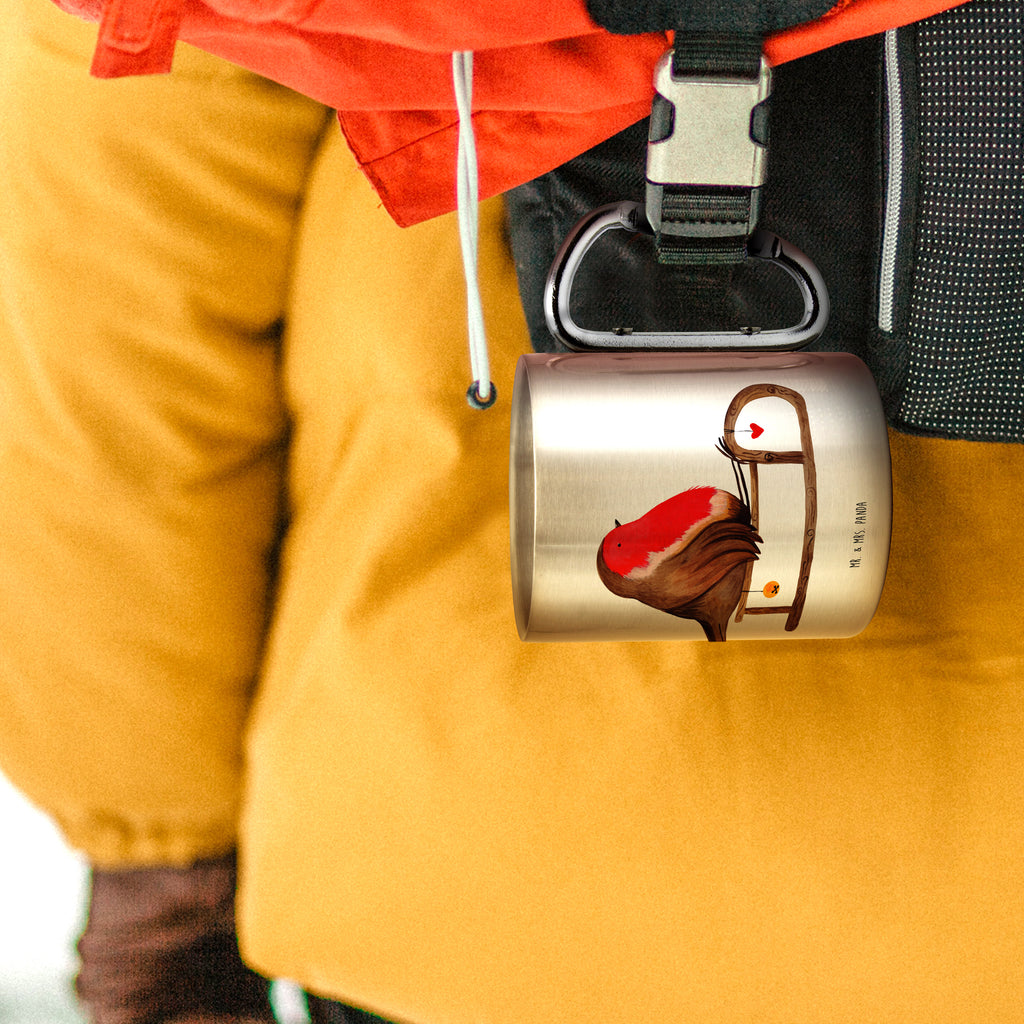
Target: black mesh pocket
{"type": "Point", "coordinates": [963, 329]}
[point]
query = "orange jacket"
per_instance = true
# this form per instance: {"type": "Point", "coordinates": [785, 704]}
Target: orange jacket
{"type": "Point", "coordinates": [549, 83]}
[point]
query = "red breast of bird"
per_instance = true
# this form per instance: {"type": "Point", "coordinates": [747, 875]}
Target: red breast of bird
{"type": "Point", "coordinates": [676, 555]}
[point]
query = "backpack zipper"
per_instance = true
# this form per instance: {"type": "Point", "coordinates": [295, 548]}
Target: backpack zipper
{"type": "Point", "coordinates": [893, 185]}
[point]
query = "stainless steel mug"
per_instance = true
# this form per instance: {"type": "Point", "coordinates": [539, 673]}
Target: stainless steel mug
{"type": "Point", "coordinates": [687, 495]}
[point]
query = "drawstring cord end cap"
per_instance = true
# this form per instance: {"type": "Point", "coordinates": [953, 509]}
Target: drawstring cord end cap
{"type": "Point", "coordinates": [478, 401]}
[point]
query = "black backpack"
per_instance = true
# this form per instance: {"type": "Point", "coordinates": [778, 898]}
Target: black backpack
{"type": "Point", "coordinates": [896, 163]}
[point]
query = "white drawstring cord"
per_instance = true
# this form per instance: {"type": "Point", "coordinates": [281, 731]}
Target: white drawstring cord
{"type": "Point", "coordinates": [481, 393]}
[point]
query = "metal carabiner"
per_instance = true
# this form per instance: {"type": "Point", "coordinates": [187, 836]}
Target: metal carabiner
{"type": "Point", "coordinates": [629, 216]}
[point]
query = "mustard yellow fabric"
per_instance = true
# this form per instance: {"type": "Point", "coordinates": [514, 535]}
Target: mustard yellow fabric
{"type": "Point", "coordinates": [440, 822]}
{"type": "Point", "coordinates": [453, 827]}
{"type": "Point", "coordinates": [145, 239]}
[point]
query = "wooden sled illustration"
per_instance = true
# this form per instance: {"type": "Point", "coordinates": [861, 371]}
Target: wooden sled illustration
{"type": "Point", "coordinates": [755, 459]}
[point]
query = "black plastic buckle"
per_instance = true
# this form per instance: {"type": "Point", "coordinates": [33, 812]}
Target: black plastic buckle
{"type": "Point", "coordinates": [706, 160]}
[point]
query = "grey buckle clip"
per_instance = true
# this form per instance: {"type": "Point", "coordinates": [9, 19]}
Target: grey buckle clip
{"type": "Point", "coordinates": [628, 216]}
{"type": "Point", "coordinates": [705, 131]}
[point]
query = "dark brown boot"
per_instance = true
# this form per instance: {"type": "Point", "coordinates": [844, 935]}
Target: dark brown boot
{"type": "Point", "coordinates": [159, 945]}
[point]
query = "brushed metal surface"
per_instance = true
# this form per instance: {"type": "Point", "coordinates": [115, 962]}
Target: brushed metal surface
{"type": "Point", "coordinates": [604, 438]}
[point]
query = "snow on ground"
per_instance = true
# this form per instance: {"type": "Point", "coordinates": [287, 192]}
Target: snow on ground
{"type": "Point", "coordinates": [42, 891]}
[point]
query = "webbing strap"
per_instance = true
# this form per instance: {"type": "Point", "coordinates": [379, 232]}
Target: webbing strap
{"type": "Point", "coordinates": [701, 250]}
{"type": "Point", "coordinates": [707, 54]}
{"type": "Point", "coordinates": [751, 17]}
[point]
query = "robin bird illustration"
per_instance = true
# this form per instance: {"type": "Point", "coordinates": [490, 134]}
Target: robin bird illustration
{"type": "Point", "coordinates": [687, 556]}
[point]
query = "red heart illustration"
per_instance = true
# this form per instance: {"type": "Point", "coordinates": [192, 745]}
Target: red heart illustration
{"type": "Point", "coordinates": [756, 431]}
